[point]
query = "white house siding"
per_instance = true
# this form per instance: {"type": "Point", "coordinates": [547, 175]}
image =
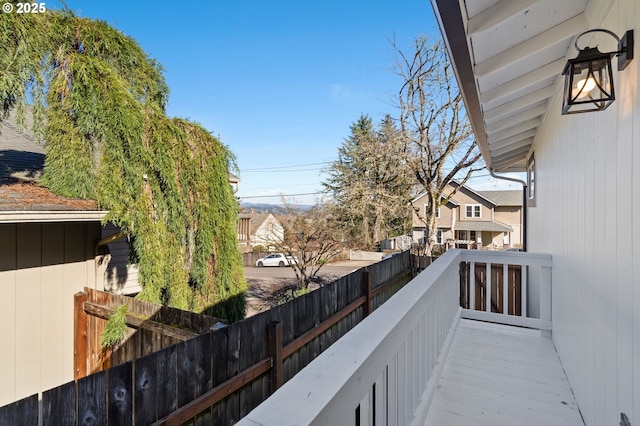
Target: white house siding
{"type": "Point", "coordinates": [587, 216]}
{"type": "Point", "coordinates": [117, 274]}
{"type": "Point", "coordinates": [42, 265]}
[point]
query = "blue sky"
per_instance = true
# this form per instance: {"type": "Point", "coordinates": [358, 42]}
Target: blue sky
{"type": "Point", "coordinates": [279, 82]}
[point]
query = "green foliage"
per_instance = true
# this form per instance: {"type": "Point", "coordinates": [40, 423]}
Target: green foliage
{"type": "Point", "coordinates": [163, 180]}
{"type": "Point", "coordinates": [368, 184]}
{"type": "Point", "coordinates": [116, 328]}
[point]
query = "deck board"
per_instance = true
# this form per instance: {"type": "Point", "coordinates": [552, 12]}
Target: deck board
{"type": "Point", "coordinates": [502, 375]}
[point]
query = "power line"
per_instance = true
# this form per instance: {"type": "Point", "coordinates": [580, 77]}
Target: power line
{"type": "Point", "coordinates": [281, 171]}
{"type": "Point", "coordinates": [281, 195]}
{"type": "Point", "coordinates": [265, 169]}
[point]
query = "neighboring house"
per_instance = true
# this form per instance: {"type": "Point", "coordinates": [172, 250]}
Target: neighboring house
{"type": "Point", "coordinates": [266, 230]}
{"type": "Point", "coordinates": [47, 254]}
{"type": "Point", "coordinates": [473, 219]}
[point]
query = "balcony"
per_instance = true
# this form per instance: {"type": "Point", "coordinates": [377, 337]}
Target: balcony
{"type": "Point", "coordinates": [421, 358]}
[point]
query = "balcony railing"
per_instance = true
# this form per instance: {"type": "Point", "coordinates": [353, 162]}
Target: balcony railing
{"type": "Point", "coordinates": [385, 371]}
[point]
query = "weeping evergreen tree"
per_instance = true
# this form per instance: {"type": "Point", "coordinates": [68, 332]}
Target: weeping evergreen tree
{"type": "Point", "coordinates": [99, 103]}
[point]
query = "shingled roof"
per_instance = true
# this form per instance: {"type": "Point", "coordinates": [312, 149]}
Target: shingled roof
{"type": "Point", "coordinates": [504, 198]}
{"type": "Point", "coordinates": [21, 165]}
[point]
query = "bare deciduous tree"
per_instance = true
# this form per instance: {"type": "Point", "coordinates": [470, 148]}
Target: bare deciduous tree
{"type": "Point", "coordinates": [438, 138]}
{"type": "Point", "coordinates": [311, 237]}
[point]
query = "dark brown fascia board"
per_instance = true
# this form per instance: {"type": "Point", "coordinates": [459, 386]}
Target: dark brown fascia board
{"type": "Point", "coordinates": [450, 21]}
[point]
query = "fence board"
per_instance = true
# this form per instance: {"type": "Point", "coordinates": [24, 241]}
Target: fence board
{"type": "Point", "coordinates": [167, 377]}
{"type": "Point", "coordinates": [59, 406]}
{"type": "Point", "coordinates": [92, 405]}
{"type": "Point", "coordinates": [245, 361]}
{"type": "Point", "coordinates": [233, 356]}
{"type": "Point", "coordinates": [145, 389]}
{"type": "Point", "coordinates": [219, 351]}
{"type": "Point", "coordinates": [315, 317]}
{"type": "Point", "coordinates": [154, 386]}
{"type": "Point", "coordinates": [22, 412]}
{"type": "Point", "coordinates": [120, 394]}
{"type": "Point", "coordinates": [260, 387]}
{"type": "Point", "coordinates": [194, 368]}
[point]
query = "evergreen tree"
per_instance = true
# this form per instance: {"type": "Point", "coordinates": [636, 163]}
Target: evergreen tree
{"type": "Point", "coordinates": [368, 183]}
{"type": "Point", "coordinates": [99, 102]}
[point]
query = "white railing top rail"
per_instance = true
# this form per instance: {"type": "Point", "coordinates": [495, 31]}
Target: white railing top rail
{"type": "Point", "coordinates": [508, 257]}
{"type": "Point", "coordinates": [394, 354]}
{"type": "Point", "coordinates": [329, 389]}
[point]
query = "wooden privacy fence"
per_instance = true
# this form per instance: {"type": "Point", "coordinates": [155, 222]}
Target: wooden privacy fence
{"type": "Point", "coordinates": [150, 327]}
{"type": "Point", "coordinates": [218, 377]}
{"type": "Point", "coordinates": [513, 293]}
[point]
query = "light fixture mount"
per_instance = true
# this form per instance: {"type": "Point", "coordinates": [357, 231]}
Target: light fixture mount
{"type": "Point", "coordinates": [589, 78]}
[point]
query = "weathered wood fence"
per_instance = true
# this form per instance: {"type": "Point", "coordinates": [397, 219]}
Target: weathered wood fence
{"type": "Point", "coordinates": [150, 327]}
{"type": "Point", "coordinates": [218, 377]}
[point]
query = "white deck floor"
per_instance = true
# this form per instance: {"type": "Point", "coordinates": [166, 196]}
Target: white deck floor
{"type": "Point", "coordinates": [502, 375]}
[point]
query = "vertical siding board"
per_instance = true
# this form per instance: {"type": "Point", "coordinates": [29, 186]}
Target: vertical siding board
{"type": "Point", "coordinates": [59, 406]}
{"type": "Point", "coordinates": [600, 225]}
{"type": "Point", "coordinates": [624, 222]}
{"type": "Point", "coordinates": [634, 14]}
{"type": "Point", "coordinates": [28, 309]}
{"type": "Point", "coordinates": [8, 311]}
{"type": "Point", "coordinates": [53, 364]}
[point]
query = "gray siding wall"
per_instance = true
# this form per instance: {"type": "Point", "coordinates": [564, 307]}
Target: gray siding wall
{"type": "Point", "coordinates": [42, 265]}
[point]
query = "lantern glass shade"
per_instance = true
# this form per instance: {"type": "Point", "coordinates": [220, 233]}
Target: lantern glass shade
{"type": "Point", "coordinates": [588, 84]}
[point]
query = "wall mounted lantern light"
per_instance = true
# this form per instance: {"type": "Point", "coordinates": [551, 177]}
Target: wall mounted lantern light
{"type": "Point", "coordinates": [588, 84]}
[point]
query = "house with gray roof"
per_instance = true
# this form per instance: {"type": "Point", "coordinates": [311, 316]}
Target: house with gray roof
{"type": "Point", "coordinates": [47, 254]}
{"type": "Point", "coordinates": [489, 220]}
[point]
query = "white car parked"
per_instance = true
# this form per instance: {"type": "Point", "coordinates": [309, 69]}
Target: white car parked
{"type": "Point", "coordinates": [276, 259]}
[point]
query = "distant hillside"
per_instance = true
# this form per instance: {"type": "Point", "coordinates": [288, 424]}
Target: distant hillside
{"type": "Point", "coordinates": [270, 208]}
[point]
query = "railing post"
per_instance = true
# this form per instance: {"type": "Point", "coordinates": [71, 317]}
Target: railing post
{"type": "Point", "coordinates": [545, 297]}
{"type": "Point", "coordinates": [505, 289]}
{"type": "Point", "coordinates": [487, 283]}
{"type": "Point", "coordinates": [524, 297]}
{"type": "Point", "coordinates": [366, 290]}
{"type": "Point", "coordinates": [463, 285]}
{"type": "Point", "coordinates": [472, 286]}
{"type": "Point", "coordinates": [80, 354]}
{"type": "Point", "coordinates": [275, 352]}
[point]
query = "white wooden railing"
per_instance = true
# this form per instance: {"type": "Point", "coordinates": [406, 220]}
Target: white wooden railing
{"type": "Point", "coordinates": [535, 298]}
{"type": "Point", "coordinates": [386, 369]}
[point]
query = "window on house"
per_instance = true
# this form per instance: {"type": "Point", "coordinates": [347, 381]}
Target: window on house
{"type": "Point", "coordinates": [472, 235]}
{"type": "Point", "coordinates": [426, 210]}
{"type": "Point", "coordinates": [439, 236]}
{"type": "Point", "coordinates": [462, 235]}
{"type": "Point", "coordinates": [472, 210]}
{"type": "Point", "coordinates": [531, 182]}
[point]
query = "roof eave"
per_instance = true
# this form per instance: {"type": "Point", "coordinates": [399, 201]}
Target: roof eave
{"type": "Point", "coordinates": [51, 216]}
{"type": "Point", "coordinates": [449, 16]}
